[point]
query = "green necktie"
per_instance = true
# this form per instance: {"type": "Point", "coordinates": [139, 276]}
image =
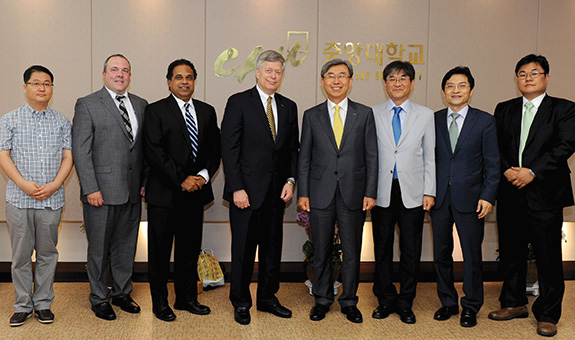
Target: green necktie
{"type": "Point", "coordinates": [525, 126]}
{"type": "Point", "coordinates": [337, 126]}
{"type": "Point", "coordinates": [453, 130]}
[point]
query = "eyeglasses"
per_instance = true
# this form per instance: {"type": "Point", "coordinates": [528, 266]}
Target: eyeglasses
{"type": "Point", "coordinates": [277, 72]}
{"type": "Point", "coordinates": [398, 80]}
{"type": "Point", "coordinates": [333, 76]}
{"type": "Point", "coordinates": [180, 77]}
{"type": "Point", "coordinates": [460, 86]}
{"type": "Point", "coordinates": [36, 84]}
{"type": "Point", "coordinates": [533, 74]}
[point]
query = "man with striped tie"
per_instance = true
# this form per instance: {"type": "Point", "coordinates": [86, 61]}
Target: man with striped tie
{"type": "Point", "coordinates": [182, 148]}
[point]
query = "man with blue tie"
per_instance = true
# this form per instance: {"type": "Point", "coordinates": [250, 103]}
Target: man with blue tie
{"type": "Point", "coordinates": [467, 163]}
{"type": "Point", "coordinates": [406, 188]}
{"type": "Point", "coordinates": [536, 138]}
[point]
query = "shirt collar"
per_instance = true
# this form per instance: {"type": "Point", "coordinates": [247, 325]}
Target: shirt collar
{"type": "Point", "coordinates": [181, 103]}
{"type": "Point", "coordinates": [536, 101]}
{"type": "Point", "coordinates": [44, 114]}
{"type": "Point", "coordinates": [462, 112]}
{"type": "Point", "coordinates": [264, 96]}
{"type": "Point", "coordinates": [404, 105]}
{"type": "Point", "coordinates": [114, 94]}
{"type": "Point", "coordinates": [342, 104]}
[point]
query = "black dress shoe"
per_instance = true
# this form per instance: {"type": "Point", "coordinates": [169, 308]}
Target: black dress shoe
{"type": "Point", "coordinates": [164, 313]}
{"type": "Point", "coordinates": [19, 318]}
{"type": "Point", "coordinates": [353, 314]}
{"type": "Point", "coordinates": [318, 312]}
{"type": "Point", "coordinates": [406, 315]}
{"type": "Point", "coordinates": [44, 315]}
{"type": "Point", "coordinates": [468, 318]}
{"type": "Point", "coordinates": [104, 311]}
{"type": "Point", "coordinates": [276, 309]}
{"type": "Point", "coordinates": [445, 312]}
{"type": "Point", "coordinates": [242, 315]}
{"type": "Point", "coordinates": [382, 311]}
{"type": "Point", "coordinates": [193, 307]}
{"type": "Point", "coordinates": [127, 304]}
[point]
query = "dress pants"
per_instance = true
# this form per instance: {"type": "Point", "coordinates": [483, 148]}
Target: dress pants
{"type": "Point", "coordinates": [470, 230]}
{"type": "Point", "coordinates": [251, 228]}
{"type": "Point", "coordinates": [350, 225]}
{"type": "Point", "coordinates": [33, 229]}
{"type": "Point", "coordinates": [519, 225]}
{"type": "Point", "coordinates": [112, 232]}
{"type": "Point", "coordinates": [410, 223]}
{"type": "Point", "coordinates": [184, 222]}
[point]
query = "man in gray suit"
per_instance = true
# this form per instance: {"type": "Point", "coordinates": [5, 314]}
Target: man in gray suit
{"type": "Point", "coordinates": [107, 144]}
{"type": "Point", "coordinates": [406, 188]}
{"type": "Point", "coordinates": [337, 183]}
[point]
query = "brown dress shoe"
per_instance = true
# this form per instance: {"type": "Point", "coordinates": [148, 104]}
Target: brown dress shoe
{"type": "Point", "coordinates": [546, 328]}
{"type": "Point", "coordinates": [509, 313]}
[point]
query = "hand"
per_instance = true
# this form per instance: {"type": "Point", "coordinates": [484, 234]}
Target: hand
{"type": "Point", "coordinates": [241, 199]}
{"type": "Point", "coordinates": [95, 199]}
{"type": "Point", "coordinates": [45, 191]}
{"type": "Point", "coordinates": [483, 208]}
{"type": "Point", "coordinates": [30, 188]}
{"type": "Point", "coordinates": [428, 202]}
{"type": "Point", "coordinates": [510, 174]}
{"type": "Point", "coordinates": [368, 203]}
{"type": "Point", "coordinates": [192, 184]}
{"type": "Point", "coordinates": [523, 177]}
{"type": "Point", "coordinates": [287, 192]}
{"type": "Point", "coordinates": [303, 203]}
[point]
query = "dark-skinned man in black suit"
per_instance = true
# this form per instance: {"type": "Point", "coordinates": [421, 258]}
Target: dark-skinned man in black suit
{"type": "Point", "coordinates": [536, 135]}
{"type": "Point", "coordinates": [182, 148]}
{"type": "Point", "coordinates": [259, 153]}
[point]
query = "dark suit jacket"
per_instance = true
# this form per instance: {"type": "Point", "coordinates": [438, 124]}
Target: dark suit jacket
{"type": "Point", "coordinates": [550, 143]}
{"type": "Point", "coordinates": [354, 165]}
{"type": "Point", "coordinates": [473, 169]}
{"type": "Point", "coordinates": [105, 158]}
{"type": "Point", "coordinates": [250, 156]}
{"type": "Point", "coordinates": [168, 151]}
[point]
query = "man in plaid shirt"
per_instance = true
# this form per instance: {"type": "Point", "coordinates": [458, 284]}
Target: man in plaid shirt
{"type": "Point", "coordinates": [35, 154]}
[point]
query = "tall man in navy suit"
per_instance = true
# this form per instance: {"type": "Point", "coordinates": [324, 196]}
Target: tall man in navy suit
{"type": "Point", "coordinates": [182, 147]}
{"type": "Point", "coordinates": [467, 171]}
{"type": "Point", "coordinates": [337, 183]}
{"type": "Point", "coordinates": [259, 152]}
{"type": "Point", "coordinates": [536, 135]}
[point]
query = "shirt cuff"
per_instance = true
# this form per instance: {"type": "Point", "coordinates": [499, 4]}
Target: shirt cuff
{"type": "Point", "coordinates": [204, 173]}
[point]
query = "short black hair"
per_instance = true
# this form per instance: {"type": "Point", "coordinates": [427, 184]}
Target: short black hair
{"type": "Point", "coordinates": [335, 62]}
{"type": "Point", "coordinates": [532, 58]}
{"type": "Point", "coordinates": [37, 68]}
{"type": "Point", "coordinates": [464, 70]}
{"type": "Point", "coordinates": [179, 62]}
{"type": "Point", "coordinates": [398, 66]}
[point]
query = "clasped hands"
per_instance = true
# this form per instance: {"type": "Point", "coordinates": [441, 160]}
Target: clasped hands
{"type": "Point", "coordinates": [519, 177]}
{"type": "Point", "coordinates": [193, 183]}
{"type": "Point", "coordinates": [38, 192]}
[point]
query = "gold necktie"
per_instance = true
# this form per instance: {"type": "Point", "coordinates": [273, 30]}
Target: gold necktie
{"type": "Point", "coordinates": [271, 120]}
{"type": "Point", "coordinates": [337, 126]}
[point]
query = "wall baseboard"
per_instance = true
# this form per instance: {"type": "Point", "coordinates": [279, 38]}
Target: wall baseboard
{"type": "Point", "coordinates": [290, 271]}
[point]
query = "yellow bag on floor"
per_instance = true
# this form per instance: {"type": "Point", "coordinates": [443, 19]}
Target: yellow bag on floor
{"type": "Point", "coordinates": [209, 269]}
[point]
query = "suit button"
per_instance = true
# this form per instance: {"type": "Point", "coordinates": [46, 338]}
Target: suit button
{"type": "Point", "coordinates": [337, 156]}
{"type": "Point", "coordinates": [335, 172]}
{"type": "Point", "coordinates": [451, 160]}
{"type": "Point", "coordinates": [395, 152]}
{"type": "Point", "coordinates": [130, 168]}
{"type": "Point", "coordinates": [447, 176]}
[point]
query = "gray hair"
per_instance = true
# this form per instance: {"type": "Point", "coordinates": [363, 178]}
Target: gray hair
{"type": "Point", "coordinates": [335, 62]}
{"type": "Point", "coordinates": [116, 55]}
{"type": "Point", "coordinates": [270, 56]}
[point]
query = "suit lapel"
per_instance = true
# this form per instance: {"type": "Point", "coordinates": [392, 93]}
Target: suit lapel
{"type": "Point", "coordinates": [443, 134]}
{"type": "Point", "coordinates": [177, 115]}
{"type": "Point", "coordinates": [516, 112]}
{"type": "Point", "coordinates": [282, 118]}
{"type": "Point", "coordinates": [257, 105]}
{"type": "Point", "coordinates": [543, 112]}
{"type": "Point", "coordinates": [325, 122]}
{"type": "Point", "coordinates": [350, 120]}
{"type": "Point", "coordinates": [468, 125]}
{"type": "Point", "coordinates": [410, 119]}
{"type": "Point", "coordinates": [113, 110]}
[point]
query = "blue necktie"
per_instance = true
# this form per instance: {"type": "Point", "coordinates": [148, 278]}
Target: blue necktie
{"type": "Point", "coordinates": [192, 130]}
{"type": "Point", "coordinates": [396, 124]}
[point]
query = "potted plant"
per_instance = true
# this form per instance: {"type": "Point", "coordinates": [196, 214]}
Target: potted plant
{"type": "Point", "coordinates": [308, 250]}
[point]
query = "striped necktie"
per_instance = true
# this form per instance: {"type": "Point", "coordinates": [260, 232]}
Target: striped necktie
{"type": "Point", "coordinates": [192, 131]}
{"type": "Point", "coordinates": [125, 117]}
{"type": "Point", "coordinates": [271, 120]}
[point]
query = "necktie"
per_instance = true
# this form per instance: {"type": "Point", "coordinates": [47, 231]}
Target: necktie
{"type": "Point", "coordinates": [453, 130]}
{"type": "Point", "coordinates": [337, 126]}
{"type": "Point", "coordinates": [525, 126]}
{"type": "Point", "coordinates": [271, 120]}
{"type": "Point", "coordinates": [192, 131]}
{"type": "Point", "coordinates": [396, 124]}
{"type": "Point", "coordinates": [125, 117]}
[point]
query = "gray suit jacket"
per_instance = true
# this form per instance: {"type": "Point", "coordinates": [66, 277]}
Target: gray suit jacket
{"type": "Point", "coordinates": [321, 165]}
{"type": "Point", "coordinates": [105, 158]}
{"type": "Point", "coordinates": [414, 154]}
